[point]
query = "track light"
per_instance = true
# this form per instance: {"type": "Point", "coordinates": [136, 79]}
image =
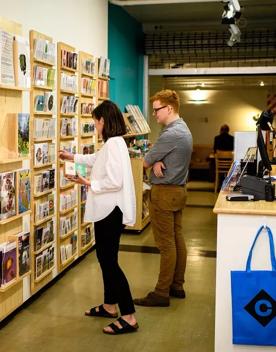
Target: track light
{"type": "Point", "coordinates": [235, 35]}
{"type": "Point", "coordinates": [232, 12]}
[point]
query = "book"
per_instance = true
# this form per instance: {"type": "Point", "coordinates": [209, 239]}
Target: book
{"type": "Point", "coordinates": [74, 169]}
{"type": "Point", "coordinates": [87, 235]}
{"type": "Point", "coordinates": [6, 59]}
{"type": "Point", "coordinates": [87, 128]}
{"type": "Point", "coordinates": [43, 235]}
{"type": "Point", "coordinates": [69, 104]}
{"type": "Point", "coordinates": [7, 195]}
{"type": "Point", "coordinates": [68, 127]}
{"type": "Point", "coordinates": [87, 148]}
{"type": "Point", "coordinates": [39, 103]}
{"type": "Point", "coordinates": [87, 108]}
{"type": "Point", "coordinates": [22, 61]}
{"type": "Point", "coordinates": [68, 82]}
{"type": "Point", "coordinates": [44, 261]}
{"type": "Point", "coordinates": [24, 253]}
{"type": "Point", "coordinates": [44, 50]}
{"type": "Point", "coordinates": [24, 201]}
{"type": "Point", "coordinates": [44, 207]}
{"type": "Point", "coordinates": [68, 200]}
{"type": "Point", "coordinates": [23, 134]}
{"type": "Point", "coordinates": [44, 181]}
{"type": "Point", "coordinates": [44, 153]}
{"type": "Point", "coordinates": [69, 59]}
{"type": "Point", "coordinates": [89, 66]}
{"type": "Point", "coordinates": [48, 102]}
{"type": "Point", "coordinates": [68, 223]}
{"type": "Point", "coordinates": [44, 128]}
{"type": "Point", "coordinates": [9, 262]}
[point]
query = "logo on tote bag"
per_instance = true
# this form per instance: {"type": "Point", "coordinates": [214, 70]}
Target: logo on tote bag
{"type": "Point", "coordinates": [262, 308]}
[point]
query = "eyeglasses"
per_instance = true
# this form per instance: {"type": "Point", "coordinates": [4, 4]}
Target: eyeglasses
{"type": "Point", "coordinates": [155, 110]}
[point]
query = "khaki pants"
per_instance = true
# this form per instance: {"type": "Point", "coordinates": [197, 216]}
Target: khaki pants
{"type": "Point", "coordinates": [166, 204]}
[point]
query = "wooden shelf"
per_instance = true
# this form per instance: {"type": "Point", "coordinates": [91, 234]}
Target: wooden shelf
{"type": "Point", "coordinates": [87, 135]}
{"type": "Point", "coordinates": [44, 247]}
{"type": "Point", "coordinates": [65, 91]}
{"type": "Point", "coordinates": [64, 212]}
{"type": "Point", "coordinates": [86, 115]}
{"type": "Point", "coordinates": [38, 195]}
{"type": "Point", "coordinates": [11, 161]}
{"type": "Point", "coordinates": [68, 69]}
{"type": "Point", "coordinates": [7, 286]}
{"type": "Point", "coordinates": [68, 261]}
{"type": "Point", "coordinates": [65, 138]}
{"type": "Point", "coordinates": [43, 88]}
{"type": "Point", "coordinates": [40, 222]}
{"type": "Point", "coordinates": [42, 276]}
{"type": "Point", "coordinates": [103, 78]}
{"type": "Point", "coordinates": [63, 237]}
{"type": "Point", "coordinates": [135, 134]}
{"type": "Point", "coordinates": [44, 62]}
{"type": "Point", "coordinates": [43, 113]}
{"type": "Point", "coordinates": [85, 224]}
{"type": "Point", "coordinates": [103, 98]}
{"type": "Point", "coordinates": [87, 95]}
{"type": "Point", "coordinates": [87, 246]}
{"type": "Point", "coordinates": [41, 140]}
{"type": "Point", "coordinates": [90, 75]}
{"type": "Point", "coordinates": [14, 217]}
{"type": "Point", "coordinates": [62, 114]}
{"type": "Point", "coordinates": [64, 188]}
{"type": "Point", "coordinates": [18, 89]}
{"type": "Point", "coordinates": [43, 166]}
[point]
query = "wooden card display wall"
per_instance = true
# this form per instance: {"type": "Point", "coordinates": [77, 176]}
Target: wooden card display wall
{"type": "Point", "coordinates": [14, 220]}
{"type": "Point", "coordinates": [42, 230]}
{"type": "Point", "coordinates": [43, 161]}
{"type": "Point", "coordinates": [67, 139]}
{"type": "Point", "coordinates": [88, 70]}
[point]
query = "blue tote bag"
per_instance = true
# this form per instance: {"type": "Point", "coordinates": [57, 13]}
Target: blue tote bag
{"type": "Point", "coordinates": [254, 301]}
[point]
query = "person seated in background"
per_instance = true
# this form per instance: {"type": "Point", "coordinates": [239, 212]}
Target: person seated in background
{"type": "Point", "coordinates": [224, 141]}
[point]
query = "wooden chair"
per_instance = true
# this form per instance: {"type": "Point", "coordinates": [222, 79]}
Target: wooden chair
{"type": "Point", "coordinates": [223, 160]}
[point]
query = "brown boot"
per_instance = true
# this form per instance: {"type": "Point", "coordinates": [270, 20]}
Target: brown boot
{"type": "Point", "coordinates": [177, 293]}
{"type": "Point", "coordinates": [152, 300]}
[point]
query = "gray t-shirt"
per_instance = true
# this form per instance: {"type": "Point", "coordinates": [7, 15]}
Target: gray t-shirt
{"type": "Point", "coordinates": [174, 148]}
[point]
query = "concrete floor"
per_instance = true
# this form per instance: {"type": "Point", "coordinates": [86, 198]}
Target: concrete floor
{"type": "Point", "coordinates": [55, 320]}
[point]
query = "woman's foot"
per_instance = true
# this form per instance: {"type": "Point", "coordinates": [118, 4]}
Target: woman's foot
{"type": "Point", "coordinates": [104, 310]}
{"type": "Point", "coordinates": [125, 324]}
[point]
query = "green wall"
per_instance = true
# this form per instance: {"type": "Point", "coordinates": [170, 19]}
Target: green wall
{"type": "Point", "coordinates": [125, 50]}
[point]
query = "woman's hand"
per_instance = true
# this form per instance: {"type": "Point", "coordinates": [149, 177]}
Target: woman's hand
{"type": "Point", "coordinates": [64, 155]}
{"type": "Point", "coordinates": [79, 179]}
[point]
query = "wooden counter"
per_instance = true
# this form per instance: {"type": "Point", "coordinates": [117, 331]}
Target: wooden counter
{"type": "Point", "coordinates": [260, 207]}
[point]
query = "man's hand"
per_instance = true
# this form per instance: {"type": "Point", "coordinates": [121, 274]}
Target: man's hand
{"type": "Point", "coordinates": [158, 168]}
{"type": "Point", "coordinates": [64, 155]}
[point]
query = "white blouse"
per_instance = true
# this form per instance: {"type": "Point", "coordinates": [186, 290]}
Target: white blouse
{"type": "Point", "coordinates": [111, 182]}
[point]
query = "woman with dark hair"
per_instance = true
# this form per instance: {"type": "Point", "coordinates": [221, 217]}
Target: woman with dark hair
{"type": "Point", "coordinates": [110, 204]}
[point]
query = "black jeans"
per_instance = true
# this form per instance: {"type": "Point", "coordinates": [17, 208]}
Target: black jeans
{"type": "Point", "coordinates": [116, 289]}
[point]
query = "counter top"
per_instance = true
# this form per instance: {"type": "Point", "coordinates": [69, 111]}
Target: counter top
{"type": "Point", "coordinates": [260, 207]}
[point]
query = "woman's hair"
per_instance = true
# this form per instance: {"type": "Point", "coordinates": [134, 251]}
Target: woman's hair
{"type": "Point", "coordinates": [114, 124]}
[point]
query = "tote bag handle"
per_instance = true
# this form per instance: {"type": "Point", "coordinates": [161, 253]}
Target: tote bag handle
{"type": "Point", "coordinates": [271, 245]}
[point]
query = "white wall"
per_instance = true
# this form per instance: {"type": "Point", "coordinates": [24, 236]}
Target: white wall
{"type": "Point", "coordinates": [236, 107]}
{"type": "Point", "coordinates": [80, 23]}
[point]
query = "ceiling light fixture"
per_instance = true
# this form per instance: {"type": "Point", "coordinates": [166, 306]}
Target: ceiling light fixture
{"type": "Point", "coordinates": [261, 83]}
